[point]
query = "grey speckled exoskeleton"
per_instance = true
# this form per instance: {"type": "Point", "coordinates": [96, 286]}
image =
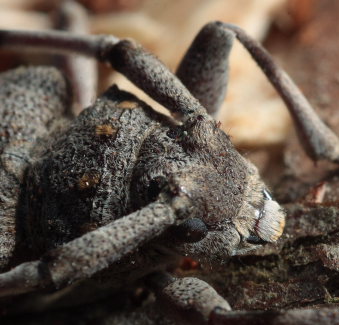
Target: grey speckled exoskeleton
{"type": "Point", "coordinates": [118, 192]}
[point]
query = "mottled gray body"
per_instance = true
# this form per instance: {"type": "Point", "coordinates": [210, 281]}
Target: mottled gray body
{"type": "Point", "coordinates": [84, 174]}
{"type": "Point", "coordinates": [116, 157]}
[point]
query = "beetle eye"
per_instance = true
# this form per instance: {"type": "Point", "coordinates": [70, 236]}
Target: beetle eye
{"type": "Point", "coordinates": [267, 195]}
{"type": "Point", "coordinates": [190, 231]}
{"type": "Point", "coordinates": [253, 239]}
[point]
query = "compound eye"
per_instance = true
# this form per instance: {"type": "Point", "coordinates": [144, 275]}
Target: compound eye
{"type": "Point", "coordinates": [253, 239]}
{"type": "Point", "coordinates": [191, 231]}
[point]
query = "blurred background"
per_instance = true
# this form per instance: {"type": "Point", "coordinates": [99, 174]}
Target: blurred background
{"type": "Point", "coordinates": [252, 113]}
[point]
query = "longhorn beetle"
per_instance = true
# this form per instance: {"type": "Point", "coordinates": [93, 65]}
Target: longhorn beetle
{"type": "Point", "coordinates": [116, 193]}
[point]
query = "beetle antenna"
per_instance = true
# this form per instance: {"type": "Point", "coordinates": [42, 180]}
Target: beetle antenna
{"type": "Point", "coordinates": [317, 139]}
{"type": "Point", "coordinates": [57, 42]}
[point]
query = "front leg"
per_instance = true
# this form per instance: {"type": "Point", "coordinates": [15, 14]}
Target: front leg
{"type": "Point", "coordinates": [94, 251]}
{"type": "Point", "coordinates": [189, 299]}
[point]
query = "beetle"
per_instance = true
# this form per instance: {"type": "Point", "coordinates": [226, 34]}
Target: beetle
{"type": "Point", "coordinates": [120, 191]}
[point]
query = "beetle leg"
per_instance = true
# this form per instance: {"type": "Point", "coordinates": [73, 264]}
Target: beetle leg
{"type": "Point", "coordinates": [72, 17]}
{"type": "Point", "coordinates": [191, 299]}
{"type": "Point", "coordinates": [92, 252]}
{"type": "Point", "coordinates": [317, 139]}
{"type": "Point", "coordinates": [127, 57]}
{"type": "Point", "coordinates": [204, 68]}
{"type": "Point", "coordinates": [153, 77]}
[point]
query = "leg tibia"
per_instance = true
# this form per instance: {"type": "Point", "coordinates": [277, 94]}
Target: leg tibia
{"type": "Point", "coordinates": [90, 253]}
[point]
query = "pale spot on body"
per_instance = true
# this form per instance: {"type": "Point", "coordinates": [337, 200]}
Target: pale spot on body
{"type": "Point", "coordinates": [105, 130]}
{"type": "Point", "coordinates": [88, 180]}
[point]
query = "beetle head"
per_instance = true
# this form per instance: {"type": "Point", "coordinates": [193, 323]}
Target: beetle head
{"type": "Point", "coordinates": [232, 210]}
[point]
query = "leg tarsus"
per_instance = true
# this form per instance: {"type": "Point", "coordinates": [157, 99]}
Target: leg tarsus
{"type": "Point", "coordinates": [191, 299]}
{"type": "Point", "coordinates": [204, 68]}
